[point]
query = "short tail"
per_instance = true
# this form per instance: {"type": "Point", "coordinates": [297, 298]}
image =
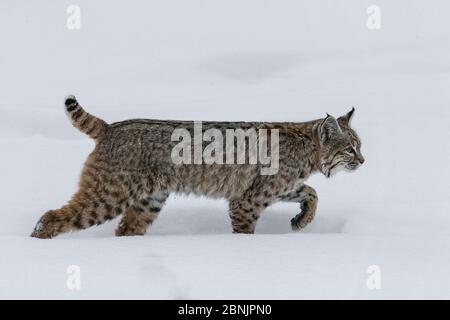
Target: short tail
{"type": "Point", "coordinates": [84, 121]}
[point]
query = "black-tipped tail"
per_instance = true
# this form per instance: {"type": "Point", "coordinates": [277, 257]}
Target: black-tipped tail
{"type": "Point", "coordinates": [84, 121]}
{"type": "Point", "coordinates": [71, 103]}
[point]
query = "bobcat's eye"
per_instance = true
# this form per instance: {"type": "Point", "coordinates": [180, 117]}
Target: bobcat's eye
{"type": "Point", "coordinates": [350, 150]}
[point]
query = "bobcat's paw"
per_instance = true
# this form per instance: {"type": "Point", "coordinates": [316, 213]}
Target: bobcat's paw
{"type": "Point", "coordinates": [301, 220]}
{"type": "Point", "coordinates": [127, 231]}
{"type": "Point", "coordinates": [47, 227]}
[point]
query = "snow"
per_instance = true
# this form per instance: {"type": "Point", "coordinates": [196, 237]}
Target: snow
{"type": "Point", "coordinates": [233, 60]}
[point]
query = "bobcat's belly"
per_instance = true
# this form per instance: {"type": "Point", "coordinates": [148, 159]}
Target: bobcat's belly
{"type": "Point", "coordinates": [215, 181]}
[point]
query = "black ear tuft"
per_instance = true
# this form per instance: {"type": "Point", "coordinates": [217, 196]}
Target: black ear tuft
{"type": "Point", "coordinates": [345, 119]}
{"type": "Point", "coordinates": [329, 128]}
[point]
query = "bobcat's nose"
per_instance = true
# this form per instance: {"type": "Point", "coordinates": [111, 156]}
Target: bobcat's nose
{"type": "Point", "coordinates": [361, 159]}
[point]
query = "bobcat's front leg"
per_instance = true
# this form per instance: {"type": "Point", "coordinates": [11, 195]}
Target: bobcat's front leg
{"type": "Point", "coordinates": [307, 197]}
{"type": "Point", "coordinates": [245, 210]}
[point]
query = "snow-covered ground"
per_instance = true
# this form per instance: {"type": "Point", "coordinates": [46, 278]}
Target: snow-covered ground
{"type": "Point", "coordinates": [231, 60]}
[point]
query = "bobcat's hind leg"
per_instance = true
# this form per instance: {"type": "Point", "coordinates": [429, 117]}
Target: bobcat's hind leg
{"type": "Point", "coordinates": [77, 215]}
{"type": "Point", "coordinates": [307, 197]}
{"type": "Point", "coordinates": [99, 199]}
{"type": "Point", "coordinates": [140, 215]}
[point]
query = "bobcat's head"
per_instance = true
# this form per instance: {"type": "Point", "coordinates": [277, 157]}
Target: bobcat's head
{"type": "Point", "coordinates": [340, 147]}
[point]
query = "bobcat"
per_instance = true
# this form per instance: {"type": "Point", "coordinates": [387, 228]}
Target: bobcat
{"type": "Point", "coordinates": [131, 172]}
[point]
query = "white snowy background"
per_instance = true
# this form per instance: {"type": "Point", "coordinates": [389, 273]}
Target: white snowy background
{"type": "Point", "coordinates": [231, 60]}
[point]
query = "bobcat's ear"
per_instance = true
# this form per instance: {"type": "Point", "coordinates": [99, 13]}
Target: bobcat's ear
{"type": "Point", "coordinates": [329, 128]}
{"type": "Point", "coordinates": [345, 119]}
